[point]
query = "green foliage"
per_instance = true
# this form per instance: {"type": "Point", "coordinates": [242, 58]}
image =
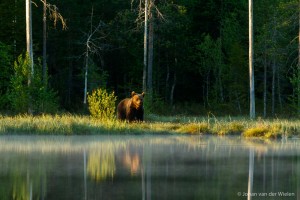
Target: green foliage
{"type": "Point", "coordinates": [211, 66]}
{"type": "Point", "coordinates": [97, 77]}
{"type": "Point", "coordinates": [210, 49]}
{"type": "Point", "coordinates": [295, 81]}
{"type": "Point", "coordinates": [157, 105]}
{"type": "Point", "coordinates": [19, 93]}
{"type": "Point", "coordinates": [102, 104]}
{"type": "Point", "coordinates": [34, 96]}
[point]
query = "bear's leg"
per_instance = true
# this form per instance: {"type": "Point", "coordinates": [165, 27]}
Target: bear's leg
{"type": "Point", "coordinates": [129, 117]}
{"type": "Point", "coordinates": [121, 116]}
{"type": "Point", "coordinates": [140, 116]}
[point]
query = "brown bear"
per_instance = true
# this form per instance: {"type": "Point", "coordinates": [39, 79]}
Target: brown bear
{"type": "Point", "coordinates": [132, 109]}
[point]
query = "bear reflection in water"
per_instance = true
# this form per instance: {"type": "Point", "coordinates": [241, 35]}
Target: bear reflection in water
{"type": "Point", "coordinates": [132, 161]}
{"type": "Point", "coordinates": [132, 109]}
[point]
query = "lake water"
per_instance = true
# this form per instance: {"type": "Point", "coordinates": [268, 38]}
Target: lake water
{"type": "Point", "coordinates": [148, 167]}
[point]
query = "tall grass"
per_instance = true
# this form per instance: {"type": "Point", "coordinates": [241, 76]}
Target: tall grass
{"type": "Point", "coordinates": [68, 124]}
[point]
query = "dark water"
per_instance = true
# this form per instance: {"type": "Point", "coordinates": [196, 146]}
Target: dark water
{"type": "Point", "coordinates": [148, 167]}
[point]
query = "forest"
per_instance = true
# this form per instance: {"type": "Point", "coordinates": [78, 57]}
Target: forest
{"type": "Point", "coordinates": [196, 59]}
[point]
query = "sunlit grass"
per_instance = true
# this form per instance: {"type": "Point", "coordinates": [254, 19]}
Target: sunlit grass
{"type": "Point", "coordinates": [68, 124]}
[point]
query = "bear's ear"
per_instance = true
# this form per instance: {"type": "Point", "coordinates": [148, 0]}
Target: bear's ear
{"type": "Point", "coordinates": [143, 94]}
{"type": "Point", "coordinates": [133, 93]}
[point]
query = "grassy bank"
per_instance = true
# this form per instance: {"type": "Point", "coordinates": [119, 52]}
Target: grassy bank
{"type": "Point", "coordinates": [85, 125]}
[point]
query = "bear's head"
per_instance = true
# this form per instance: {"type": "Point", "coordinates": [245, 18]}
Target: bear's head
{"type": "Point", "coordinates": [137, 99]}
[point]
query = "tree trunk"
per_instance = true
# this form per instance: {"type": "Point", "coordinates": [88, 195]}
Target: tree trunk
{"type": "Point", "coordinates": [221, 88]}
{"type": "Point", "coordinates": [251, 67]}
{"type": "Point", "coordinates": [70, 84]}
{"type": "Point", "coordinates": [278, 88]}
{"type": "Point", "coordinates": [167, 83]}
{"type": "Point", "coordinates": [238, 102]}
{"type": "Point", "coordinates": [273, 85]}
{"type": "Point", "coordinates": [29, 38]}
{"type": "Point", "coordinates": [45, 44]}
{"type": "Point", "coordinates": [145, 47]}
{"type": "Point", "coordinates": [150, 59]}
{"type": "Point", "coordinates": [274, 65]}
{"type": "Point", "coordinates": [172, 89]}
{"type": "Point", "coordinates": [15, 31]}
{"type": "Point", "coordinates": [207, 90]}
{"type": "Point", "coordinates": [86, 76]}
{"type": "Point", "coordinates": [29, 50]}
{"type": "Point", "coordinates": [265, 86]}
{"type": "Point", "coordinates": [298, 85]}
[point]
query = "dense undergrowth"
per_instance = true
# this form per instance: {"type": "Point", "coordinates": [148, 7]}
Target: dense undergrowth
{"type": "Point", "coordinates": [67, 124]}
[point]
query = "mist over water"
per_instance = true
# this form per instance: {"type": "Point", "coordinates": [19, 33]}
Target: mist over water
{"type": "Point", "coordinates": [148, 167]}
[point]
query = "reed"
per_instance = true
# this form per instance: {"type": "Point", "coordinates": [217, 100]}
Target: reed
{"type": "Point", "coordinates": [67, 124]}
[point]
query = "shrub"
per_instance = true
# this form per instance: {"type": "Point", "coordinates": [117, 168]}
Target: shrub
{"type": "Point", "coordinates": [36, 96]}
{"type": "Point", "coordinates": [102, 104]}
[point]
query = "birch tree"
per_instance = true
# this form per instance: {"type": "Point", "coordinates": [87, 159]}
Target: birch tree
{"type": "Point", "coordinates": [92, 46]}
{"type": "Point", "coordinates": [251, 67]}
{"type": "Point", "coordinates": [145, 46]}
{"type": "Point", "coordinates": [29, 38]}
{"type": "Point", "coordinates": [150, 56]}
{"type": "Point", "coordinates": [148, 19]}
{"type": "Point", "coordinates": [29, 49]}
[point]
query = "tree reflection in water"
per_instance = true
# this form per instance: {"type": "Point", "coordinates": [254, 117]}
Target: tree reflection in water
{"type": "Point", "coordinates": [146, 168]}
{"type": "Point", "coordinates": [28, 179]}
{"type": "Point", "coordinates": [101, 164]}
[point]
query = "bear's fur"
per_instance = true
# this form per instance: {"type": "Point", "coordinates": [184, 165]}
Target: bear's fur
{"type": "Point", "coordinates": [131, 109]}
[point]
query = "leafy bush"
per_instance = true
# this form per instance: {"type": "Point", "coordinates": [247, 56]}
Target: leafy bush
{"type": "Point", "coordinates": [35, 96]}
{"type": "Point", "coordinates": [102, 104]}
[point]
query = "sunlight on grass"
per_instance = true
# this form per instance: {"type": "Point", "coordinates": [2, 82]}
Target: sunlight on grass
{"type": "Point", "coordinates": [68, 124]}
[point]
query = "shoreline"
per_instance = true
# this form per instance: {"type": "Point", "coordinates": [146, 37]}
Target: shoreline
{"type": "Point", "coordinates": [67, 124]}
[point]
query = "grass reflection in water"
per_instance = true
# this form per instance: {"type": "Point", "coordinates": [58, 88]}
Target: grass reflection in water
{"type": "Point", "coordinates": [133, 167]}
{"type": "Point", "coordinates": [101, 164]}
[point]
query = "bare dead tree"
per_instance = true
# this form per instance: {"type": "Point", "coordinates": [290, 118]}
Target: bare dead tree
{"type": "Point", "coordinates": [92, 46]}
{"type": "Point", "coordinates": [56, 16]}
{"type": "Point", "coordinates": [145, 15]}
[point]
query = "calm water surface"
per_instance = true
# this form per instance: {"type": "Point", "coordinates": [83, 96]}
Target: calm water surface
{"type": "Point", "coordinates": [148, 167]}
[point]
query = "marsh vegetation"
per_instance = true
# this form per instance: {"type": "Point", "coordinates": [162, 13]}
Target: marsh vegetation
{"type": "Point", "coordinates": [67, 124]}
